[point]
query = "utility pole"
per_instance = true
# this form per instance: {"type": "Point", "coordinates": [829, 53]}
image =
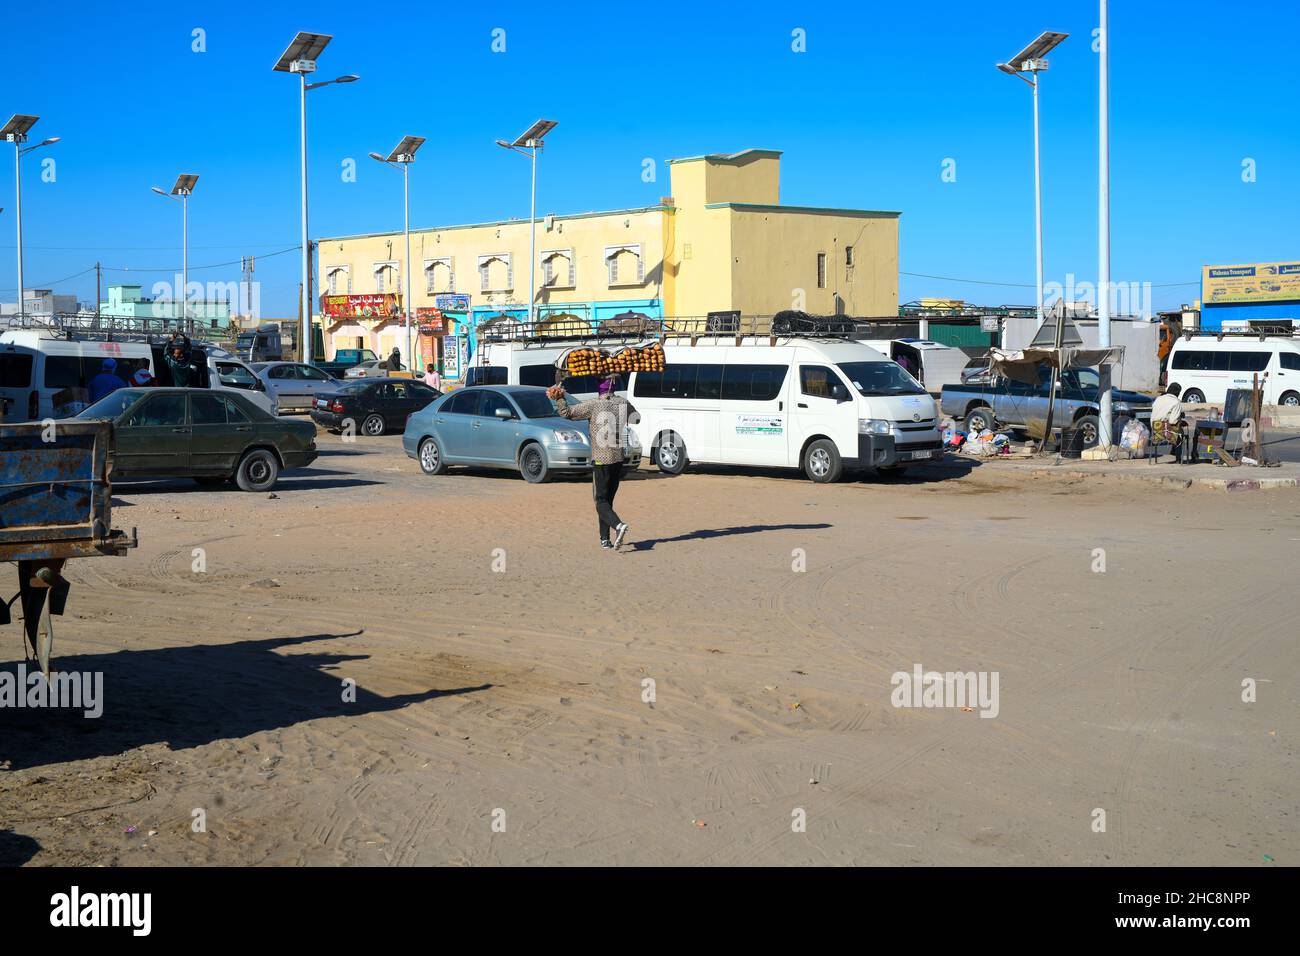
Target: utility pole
{"type": "Point", "coordinates": [98, 273]}
{"type": "Point", "coordinates": [1103, 232]}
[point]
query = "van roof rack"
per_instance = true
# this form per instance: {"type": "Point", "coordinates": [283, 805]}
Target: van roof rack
{"type": "Point", "coordinates": [788, 324]}
{"type": "Point", "coordinates": [1259, 331]}
{"type": "Point", "coordinates": [89, 326]}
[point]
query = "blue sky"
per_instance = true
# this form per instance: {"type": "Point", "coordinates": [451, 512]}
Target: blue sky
{"type": "Point", "coordinates": [866, 117]}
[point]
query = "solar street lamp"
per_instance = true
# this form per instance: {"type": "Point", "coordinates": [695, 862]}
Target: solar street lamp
{"type": "Point", "coordinates": [1032, 60]}
{"type": "Point", "coordinates": [530, 143]}
{"type": "Point", "coordinates": [300, 58]}
{"type": "Point", "coordinates": [15, 131]}
{"type": "Point", "coordinates": [181, 192]}
{"type": "Point", "coordinates": [401, 157]}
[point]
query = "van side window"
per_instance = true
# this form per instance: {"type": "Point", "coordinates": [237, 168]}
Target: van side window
{"type": "Point", "coordinates": [16, 370]}
{"type": "Point", "coordinates": [1290, 360]}
{"type": "Point", "coordinates": [543, 375]}
{"type": "Point", "coordinates": [752, 383]}
{"type": "Point", "coordinates": [708, 382]}
{"type": "Point", "coordinates": [487, 375]}
{"type": "Point", "coordinates": [63, 371]}
{"type": "Point", "coordinates": [1194, 360]}
{"type": "Point", "coordinates": [1249, 361]}
{"type": "Point", "coordinates": [676, 381]}
{"type": "Point", "coordinates": [820, 382]}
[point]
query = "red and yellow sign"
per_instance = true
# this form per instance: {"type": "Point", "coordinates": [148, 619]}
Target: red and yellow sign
{"type": "Point", "coordinates": [430, 320]}
{"type": "Point", "coordinates": [380, 305]}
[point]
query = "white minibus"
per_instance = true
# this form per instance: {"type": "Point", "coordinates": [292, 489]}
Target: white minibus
{"type": "Point", "coordinates": [821, 405]}
{"type": "Point", "coordinates": [1206, 366]}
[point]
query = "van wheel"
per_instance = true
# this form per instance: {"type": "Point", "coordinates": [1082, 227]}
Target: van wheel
{"type": "Point", "coordinates": [373, 425]}
{"type": "Point", "coordinates": [670, 454]}
{"type": "Point", "coordinates": [979, 419]}
{"type": "Point", "coordinates": [430, 454]}
{"type": "Point", "coordinates": [532, 464]}
{"type": "Point", "coordinates": [258, 471]}
{"type": "Point", "coordinates": [1194, 396]}
{"type": "Point", "coordinates": [1290, 399]}
{"type": "Point", "coordinates": [822, 462]}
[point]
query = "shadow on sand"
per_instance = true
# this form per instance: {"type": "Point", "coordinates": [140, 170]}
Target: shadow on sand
{"type": "Point", "coordinates": [192, 695]}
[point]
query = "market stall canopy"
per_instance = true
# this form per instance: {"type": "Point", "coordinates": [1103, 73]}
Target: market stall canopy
{"type": "Point", "coordinates": [1021, 365]}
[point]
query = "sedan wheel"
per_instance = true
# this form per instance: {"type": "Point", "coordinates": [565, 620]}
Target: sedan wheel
{"type": "Point", "coordinates": [373, 425]}
{"type": "Point", "coordinates": [532, 464]}
{"type": "Point", "coordinates": [258, 471]}
{"type": "Point", "coordinates": [431, 462]}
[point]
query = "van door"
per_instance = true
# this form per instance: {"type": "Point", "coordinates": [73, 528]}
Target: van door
{"type": "Point", "coordinates": [1288, 378]}
{"type": "Point", "coordinates": [823, 405]}
{"type": "Point", "coordinates": [17, 369]}
{"type": "Point", "coordinates": [753, 416]}
{"type": "Point", "coordinates": [690, 411]}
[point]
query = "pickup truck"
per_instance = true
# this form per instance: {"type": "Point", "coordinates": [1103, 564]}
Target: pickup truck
{"type": "Point", "coordinates": [984, 400]}
{"type": "Point", "coordinates": [55, 504]}
{"type": "Point", "coordinates": [345, 359]}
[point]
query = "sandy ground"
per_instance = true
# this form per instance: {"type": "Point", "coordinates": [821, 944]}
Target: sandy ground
{"type": "Point", "coordinates": [502, 716]}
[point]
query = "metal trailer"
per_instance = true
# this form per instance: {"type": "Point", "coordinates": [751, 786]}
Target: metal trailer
{"type": "Point", "coordinates": [55, 504]}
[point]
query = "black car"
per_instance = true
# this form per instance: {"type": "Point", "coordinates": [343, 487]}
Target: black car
{"type": "Point", "coordinates": [372, 405]}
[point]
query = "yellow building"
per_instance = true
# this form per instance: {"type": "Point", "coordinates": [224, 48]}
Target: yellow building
{"type": "Point", "coordinates": [721, 242]}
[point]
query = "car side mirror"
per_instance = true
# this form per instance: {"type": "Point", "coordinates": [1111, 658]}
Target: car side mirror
{"type": "Point", "coordinates": [504, 413]}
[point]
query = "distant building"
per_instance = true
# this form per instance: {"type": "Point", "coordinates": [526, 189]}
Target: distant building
{"type": "Point", "coordinates": [128, 302]}
{"type": "Point", "coordinates": [41, 303]}
{"type": "Point", "coordinates": [721, 242]}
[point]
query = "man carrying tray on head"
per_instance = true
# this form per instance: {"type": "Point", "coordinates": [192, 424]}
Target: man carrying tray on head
{"type": "Point", "coordinates": [607, 418]}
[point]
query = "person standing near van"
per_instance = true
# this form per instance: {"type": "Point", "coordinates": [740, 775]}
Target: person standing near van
{"type": "Point", "coordinates": [607, 421]}
{"type": "Point", "coordinates": [106, 382]}
{"type": "Point", "coordinates": [432, 378]}
{"type": "Point", "coordinates": [182, 369]}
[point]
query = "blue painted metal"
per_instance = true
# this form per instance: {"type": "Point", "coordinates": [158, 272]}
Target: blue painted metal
{"type": "Point", "coordinates": [55, 496]}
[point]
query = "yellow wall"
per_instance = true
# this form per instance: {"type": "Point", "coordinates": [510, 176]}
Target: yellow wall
{"type": "Point", "coordinates": [774, 262]}
{"type": "Point", "coordinates": [706, 252]}
{"type": "Point", "coordinates": [587, 236]}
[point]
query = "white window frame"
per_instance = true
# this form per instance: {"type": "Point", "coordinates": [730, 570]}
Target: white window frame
{"type": "Point", "coordinates": [430, 265]}
{"type": "Point", "coordinates": [611, 264]}
{"type": "Point", "coordinates": [331, 279]}
{"type": "Point", "coordinates": [379, 271]}
{"type": "Point", "coordinates": [484, 263]}
{"type": "Point", "coordinates": [552, 281]}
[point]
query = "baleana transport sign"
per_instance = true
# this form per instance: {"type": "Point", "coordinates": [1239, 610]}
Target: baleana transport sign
{"type": "Point", "coordinates": [1253, 282]}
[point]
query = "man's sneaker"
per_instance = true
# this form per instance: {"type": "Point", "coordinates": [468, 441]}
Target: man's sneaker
{"type": "Point", "coordinates": [619, 532]}
{"type": "Point", "coordinates": [606, 545]}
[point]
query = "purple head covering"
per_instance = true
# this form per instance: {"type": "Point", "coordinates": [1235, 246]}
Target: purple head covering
{"type": "Point", "coordinates": [605, 388]}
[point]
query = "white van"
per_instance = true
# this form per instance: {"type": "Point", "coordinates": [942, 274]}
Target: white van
{"type": "Point", "coordinates": [822, 405]}
{"type": "Point", "coordinates": [1206, 366]}
{"type": "Point", "coordinates": [46, 374]}
{"type": "Point", "coordinates": [933, 364]}
{"type": "Point", "coordinates": [533, 363]}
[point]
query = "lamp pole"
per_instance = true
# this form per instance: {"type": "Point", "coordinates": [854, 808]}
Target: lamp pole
{"type": "Point", "coordinates": [181, 192]}
{"type": "Point", "coordinates": [1038, 200]}
{"type": "Point", "coordinates": [15, 131]}
{"type": "Point", "coordinates": [300, 58]}
{"type": "Point", "coordinates": [530, 143]}
{"type": "Point", "coordinates": [401, 157]}
{"type": "Point", "coordinates": [1106, 418]}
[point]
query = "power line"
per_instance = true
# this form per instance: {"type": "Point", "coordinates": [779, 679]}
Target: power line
{"type": "Point", "coordinates": [215, 265]}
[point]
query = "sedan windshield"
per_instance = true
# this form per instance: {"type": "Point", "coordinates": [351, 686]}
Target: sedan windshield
{"type": "Point", "coordinates": [112, 404]}
{"type": "Point", "coordinates": [881, 378]}
{"type": "Point", "coordinates": [534, 404]}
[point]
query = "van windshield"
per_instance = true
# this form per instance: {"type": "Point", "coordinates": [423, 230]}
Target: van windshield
{"type": "Point", "coordinates": [880, 378]}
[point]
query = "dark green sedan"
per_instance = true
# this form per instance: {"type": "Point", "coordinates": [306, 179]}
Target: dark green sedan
{"type": "Point", "coordinates": [210, 436]}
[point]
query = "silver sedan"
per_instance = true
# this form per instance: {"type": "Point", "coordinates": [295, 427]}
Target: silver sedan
{"type": "Point", "coordinates": [295, 384]}
{"type": "Point", "coordinates": [500, 426]}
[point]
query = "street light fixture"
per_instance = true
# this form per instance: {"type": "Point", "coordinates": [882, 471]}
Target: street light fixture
{"type": "Point", "coordinates": [15, 131]}
{"type": "Point", "coordinates": [530, 143]}
{"type": "Point", "coordinates": [401, 157]}
{"type": "Point", "coordinates": [181, 192]}
{"type": "Point", "coordinates": [1032, 60]}
{"type": "Point", "coordinates": [300, 57]}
